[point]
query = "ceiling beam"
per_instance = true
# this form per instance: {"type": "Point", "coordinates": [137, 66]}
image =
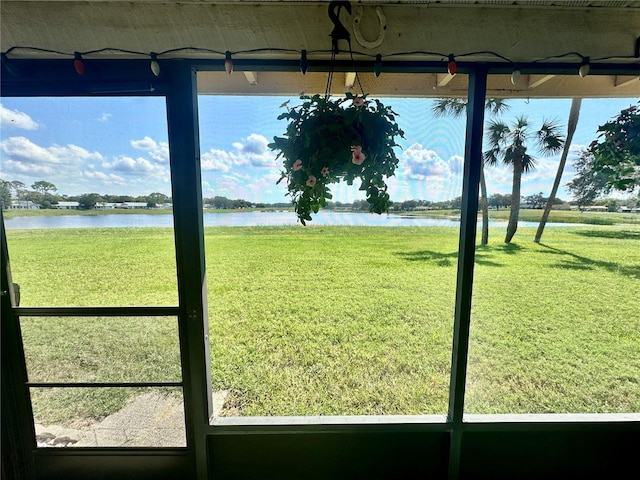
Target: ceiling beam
{"type": "Point", "coordinates": [252, 77]}
{"type": "Point", "coordinates": [349, 79]}
{"type": "Point", "coordinates": [537, 80]}
{"type": "Point", "coordinates": [443, 79]}
{"type": "Point", "coordinates": [624, 80]}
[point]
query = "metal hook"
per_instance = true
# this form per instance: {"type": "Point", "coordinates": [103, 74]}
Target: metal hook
{"type": "Point", "coordinates": [356, 29]}
{"type": "Point", "coordinates": [339, 31]}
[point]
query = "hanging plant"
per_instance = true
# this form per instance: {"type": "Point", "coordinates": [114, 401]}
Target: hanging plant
{"type": "Point", "coordinates": [328, 141]}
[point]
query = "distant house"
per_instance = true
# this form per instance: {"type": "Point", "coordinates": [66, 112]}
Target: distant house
{"type": "Point", "coordinates": [66, 205]}
{"type": "Point", "coordinates": [105, 206]}
{"type": "Point", "coordinates": [629, 210]}
{"type": "Point", "coordinates": [596, 208]}
{"type": "Point", "coordinates": [23, 205]}
{"type": "Point", "coordinates": [132, 205]}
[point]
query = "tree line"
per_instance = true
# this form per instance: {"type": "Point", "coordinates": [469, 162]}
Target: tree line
{"type": "Point", "coordinates": [43, 194]}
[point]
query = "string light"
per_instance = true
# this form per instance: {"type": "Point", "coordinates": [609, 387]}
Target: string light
{"type": "Point", "coordinates": [78, 64]}
{"type": "Point", "coordinates": [228, 63]}
{"type": "Point", "coordinates": [154, 65]}
{"type": "Point", "coordinates": [515, 76]}
{"type": "Point", "coordinates": [451, 66]}
{"type": "Point", "coordinates": [583, 71]}
{"type": "Point", "coordinates": [377, 67]}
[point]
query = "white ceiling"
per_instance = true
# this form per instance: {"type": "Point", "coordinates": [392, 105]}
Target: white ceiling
{"type": "Point", "coordinates": [521, 31]}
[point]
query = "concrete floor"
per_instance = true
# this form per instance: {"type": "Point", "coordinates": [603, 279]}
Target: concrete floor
{"type": "Point", "coordinates": [148, 420]}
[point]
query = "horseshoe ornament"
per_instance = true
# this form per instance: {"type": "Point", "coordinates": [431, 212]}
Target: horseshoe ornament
{"type": "Point", "coordinates": [356, 29]}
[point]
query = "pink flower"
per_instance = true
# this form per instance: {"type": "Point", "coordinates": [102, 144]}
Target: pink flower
{"type": "Point", "coordinates": [297, 165]}
{"type": "Point", "coordinates": [358, 102]}
{"type": "Point", "coordinates": [357, 157]}
{"type": "Point", "coordinates": [325, 171]}
{"type": "Point", "coordinates": [311, 181]}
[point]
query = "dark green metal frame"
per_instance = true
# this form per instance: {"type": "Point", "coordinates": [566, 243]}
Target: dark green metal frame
{"type": "Point", "coordinates": [371, 447]}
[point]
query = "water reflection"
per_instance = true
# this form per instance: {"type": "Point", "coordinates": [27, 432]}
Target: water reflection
{"type": "Point", "coordinates": [243, 219]}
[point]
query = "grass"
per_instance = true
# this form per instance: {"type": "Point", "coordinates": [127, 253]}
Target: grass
{"type": "Point", "coordinates": [555, 216]}
{"type": "Point", "coordinates": [54, 212]}
{"type": "Point", "coordinates": [344, 320]}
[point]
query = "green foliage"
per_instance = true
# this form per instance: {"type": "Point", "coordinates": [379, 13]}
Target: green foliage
{"type": "Point", "coordinates": [509, 144]}
{"type": "Point", "coordinates": [44, 187]}
{"type": "Point", "coordinates": [89, 200]}
{"type": "Point", "coordinates": [616, 152]}
{"type": "Point", "coordinates": [5, 194]}
{"type": "Point", "coordinates": [326, 142]}
{"type": "Point", "coordinates": [589, 182]}
{"type": "Point", "coordinates": [157, 198]}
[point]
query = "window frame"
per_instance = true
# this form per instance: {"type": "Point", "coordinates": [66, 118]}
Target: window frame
{"type": "Point", "coordinates": [178, 84]}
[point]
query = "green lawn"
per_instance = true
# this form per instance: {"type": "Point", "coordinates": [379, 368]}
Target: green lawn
{"type": "Point", "coordinates": [555, 216]}
{"type": "Point", "coordinates": [344, 320]}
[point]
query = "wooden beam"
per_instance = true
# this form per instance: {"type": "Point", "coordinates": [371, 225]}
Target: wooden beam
{"type": "Point", "coordinates": [252, 77]}
{"type": "Point", "coordinates": [537, 80]}
{"type": "Point", "coordinates": [349, 79]}
{"type": "Point", "coordinates": [443, 79]}
{"type": "Point", "coordinates": [624, 80]}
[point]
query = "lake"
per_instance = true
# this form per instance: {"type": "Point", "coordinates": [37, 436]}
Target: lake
{"type": "Point", "coordinates": [243, 219]}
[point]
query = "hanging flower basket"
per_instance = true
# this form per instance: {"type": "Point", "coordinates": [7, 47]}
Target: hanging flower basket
{"type": "Point", "coordinates": [328, 141]}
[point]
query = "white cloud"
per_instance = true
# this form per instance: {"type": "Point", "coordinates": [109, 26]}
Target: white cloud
{"type": "Point", "coordinates": [254, 143]}
{"type": "Point", "coordinates": [136, 166]}
{"type": "Point", "coordinates": [105, 178]}
{"type": "Point", "coordinates": [17, 119]}
{"type": "Point", "coordinates": [75, 169]}
{"type": "Point", "coordinates": [216, 160]}
{"type": "Point", "coordinates": [21, 168]}
{"type": "Point", "coordinates": [158, 151]}
{"type": "Point", "coordinates": [251, 152]}
{"type": "Point", "coordinates": [21, 149]}
{"type": "Point", "coordinates": [104, 117]}
{"type": "Point", "coordinates": [254, 151]}
{"type": "Point", "coordinates": [419, 163]}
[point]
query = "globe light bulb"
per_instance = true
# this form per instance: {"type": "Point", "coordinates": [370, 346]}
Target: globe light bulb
{"type": "Point", "coordinates": [154, 65]}
{"type": "Point", "coordinates": [452, 67]}
{"type": "Point", "coordinates": [228, 63]}
{"type": "Point", "coordinates": [583, 71]}
{"type": "Point", "coordinates": [78, 64]}
{"type": "Point", "coordinates": [515, 76]}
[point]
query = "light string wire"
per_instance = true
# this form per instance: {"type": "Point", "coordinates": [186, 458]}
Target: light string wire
{"type": "Point", "coordinates": [424, 53]}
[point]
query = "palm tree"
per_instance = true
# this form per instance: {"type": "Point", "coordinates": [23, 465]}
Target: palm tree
{"type": "Point", "coordinates": [508, 145]}
{"type": "Point", "coordinates": [456, 107]}
{"type": "Point", "coordinates": [572, 123]}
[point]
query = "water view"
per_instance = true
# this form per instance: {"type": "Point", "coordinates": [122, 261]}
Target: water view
{"type": "Point", "coordinates": [245, 219]}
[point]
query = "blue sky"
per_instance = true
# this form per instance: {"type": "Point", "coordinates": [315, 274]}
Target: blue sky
{"type": "Point", "coordinates": [119, 146]}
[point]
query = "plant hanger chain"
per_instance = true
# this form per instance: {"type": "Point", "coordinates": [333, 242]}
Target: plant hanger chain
{"type": "Point", "coordinates": [339, 32]}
